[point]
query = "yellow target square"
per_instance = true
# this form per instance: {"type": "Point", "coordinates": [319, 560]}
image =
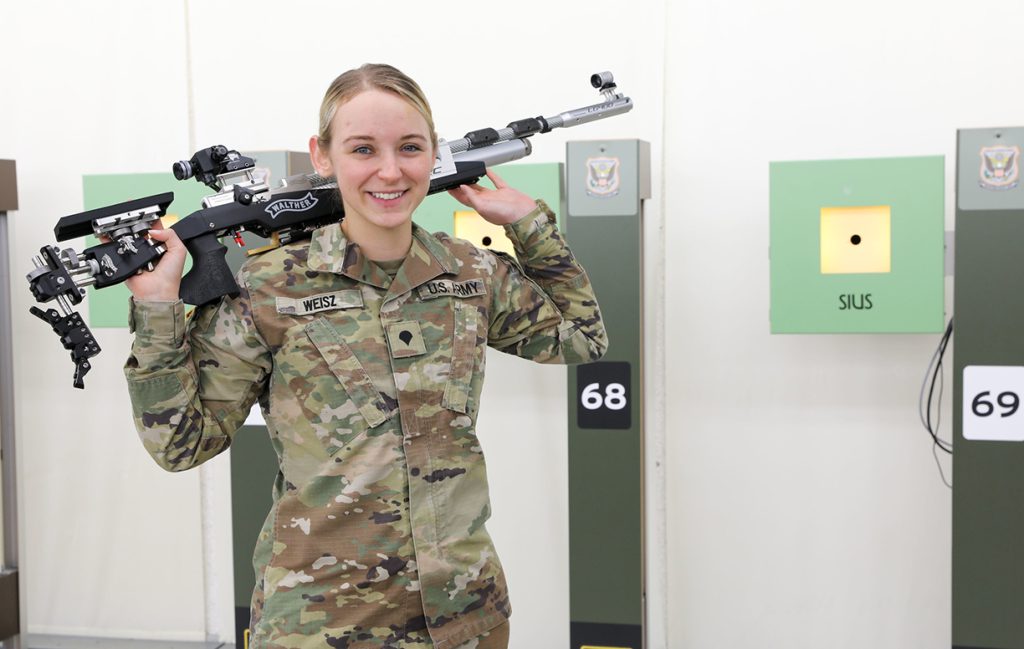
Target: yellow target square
{"type": "Point", "coordinates": [473, 228]}
{"type": "Point", "coordinates": [856, 239]}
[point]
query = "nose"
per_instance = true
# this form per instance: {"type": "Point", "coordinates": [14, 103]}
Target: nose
{"type": "Point", "coordinates": [389, 169]}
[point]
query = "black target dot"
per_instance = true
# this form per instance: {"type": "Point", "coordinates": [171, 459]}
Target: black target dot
{"type": "Point", "coordinates": [855, 239]}
{"type": "Point", "coordinates": [487, 241]}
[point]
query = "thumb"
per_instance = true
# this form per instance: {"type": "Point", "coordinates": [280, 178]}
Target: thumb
{"type": "Point", "coordinates": [167, 236]}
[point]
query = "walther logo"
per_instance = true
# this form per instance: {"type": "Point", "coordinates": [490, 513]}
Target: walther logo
{"type": "Point", "coordinates": [291, 205]}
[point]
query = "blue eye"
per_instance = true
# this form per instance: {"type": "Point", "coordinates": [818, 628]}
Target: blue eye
{"type": "Point", "coordinates": [362, 149]}
{"type": "Point", "coordinates": [412, 148]}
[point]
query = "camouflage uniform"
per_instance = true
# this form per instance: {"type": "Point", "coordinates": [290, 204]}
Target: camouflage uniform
{"type": "Point", "coordinates": [370, 386]}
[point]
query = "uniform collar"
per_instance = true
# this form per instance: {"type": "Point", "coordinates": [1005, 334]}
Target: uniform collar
{"type": "Point", "coordinates": [330, 251]}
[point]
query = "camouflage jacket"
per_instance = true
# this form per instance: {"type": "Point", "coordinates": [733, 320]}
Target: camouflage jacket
{"type": "Point", "coordinates": [370, 388]}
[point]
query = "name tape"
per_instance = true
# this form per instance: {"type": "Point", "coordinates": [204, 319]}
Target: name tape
{"type": "Point", "coordinates": [449, 288]}
{"type": "Point", "coordinates": [350, 299]}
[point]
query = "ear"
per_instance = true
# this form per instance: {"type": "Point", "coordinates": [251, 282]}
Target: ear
{"type": "Point", "coordinates": [318, 156]}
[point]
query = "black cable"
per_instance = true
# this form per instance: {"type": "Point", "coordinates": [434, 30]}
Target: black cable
{"type": "Point", "coordinates": [935, 377]}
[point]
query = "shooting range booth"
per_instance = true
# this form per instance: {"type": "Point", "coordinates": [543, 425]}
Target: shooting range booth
{"type": "Point", "coordinates": [988, 373]}
{"type": "Point", "coordinates": [11, 612]}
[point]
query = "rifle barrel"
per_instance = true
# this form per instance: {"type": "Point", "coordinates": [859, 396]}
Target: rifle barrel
{"type": "Point", "coordinates": [562, 120]}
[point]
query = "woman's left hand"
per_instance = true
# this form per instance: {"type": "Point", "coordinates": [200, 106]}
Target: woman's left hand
{"type": "Point", "coordinates": [500, 205]}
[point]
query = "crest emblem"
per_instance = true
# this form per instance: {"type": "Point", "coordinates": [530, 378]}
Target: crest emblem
{"type": "Point", "coordinates": [603, 177]}
{"type": "Point", "coordinates": [999, 167]}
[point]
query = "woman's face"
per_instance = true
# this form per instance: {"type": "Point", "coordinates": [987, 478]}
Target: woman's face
{"type": "Point", "coordinates": [382, 156]}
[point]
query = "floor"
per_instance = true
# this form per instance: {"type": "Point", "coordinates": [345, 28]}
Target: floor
{"type": "Point", "coordinates": [40, 641]}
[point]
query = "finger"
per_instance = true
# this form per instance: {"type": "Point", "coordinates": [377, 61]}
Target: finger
{"type": "Point", "coordinates": [462, 194]}
{"type": "Point", "coordinates": [496, 179]}
{"type": "Point", "coordinates": [167, 236]}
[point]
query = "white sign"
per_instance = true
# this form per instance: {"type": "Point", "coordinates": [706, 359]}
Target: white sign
{"type": "Point", "coordinates": [991, 407]}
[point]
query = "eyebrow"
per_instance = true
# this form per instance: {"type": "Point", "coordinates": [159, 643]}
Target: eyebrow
{"type": "Point", "coordinates": [370, 138]}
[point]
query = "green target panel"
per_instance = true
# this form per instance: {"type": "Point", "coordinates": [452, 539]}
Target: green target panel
{"type": "Point", "coordinates": [857, 246]}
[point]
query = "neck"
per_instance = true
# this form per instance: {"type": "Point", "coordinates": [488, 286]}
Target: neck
{"type": "Point", "coordinates": [379, 244]}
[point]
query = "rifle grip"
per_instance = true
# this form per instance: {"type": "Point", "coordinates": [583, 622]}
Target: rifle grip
{"type": "Point", "coordinates": [210, 276]}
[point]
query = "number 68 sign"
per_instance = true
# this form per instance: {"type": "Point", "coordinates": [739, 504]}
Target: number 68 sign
{"type": "Point", "coordinates": [992, 399]}
{"type": "Point", "coordinates": [603, 398]}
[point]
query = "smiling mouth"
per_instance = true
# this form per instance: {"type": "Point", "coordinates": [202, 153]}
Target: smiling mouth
{"type": "Point", "coordinates": [387, 196]}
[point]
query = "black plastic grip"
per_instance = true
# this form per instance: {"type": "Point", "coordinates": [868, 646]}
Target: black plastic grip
{"type": "Point", "coordinates": [210, 276]}
{"type": "Point", "coordinates": [466, 173]}
{"type": "Point", "coordinates": [482, 137]}
{"type": "Point", "coordinates": [529, 126]}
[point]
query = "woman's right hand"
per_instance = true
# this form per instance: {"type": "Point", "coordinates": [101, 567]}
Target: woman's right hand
{"type": "Point", "coordinates": [162, 283]}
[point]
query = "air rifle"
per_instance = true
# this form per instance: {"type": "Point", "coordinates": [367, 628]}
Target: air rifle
{"type": "Point", "coordinates": [244, 202]}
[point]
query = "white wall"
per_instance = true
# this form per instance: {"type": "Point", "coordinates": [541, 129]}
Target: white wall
{"type": "Point", "coordinates": [805, 508]}
{"type": "Point", "coordinates": [112, 545]}
{"type": "Point", "coordinates": [92, 88]}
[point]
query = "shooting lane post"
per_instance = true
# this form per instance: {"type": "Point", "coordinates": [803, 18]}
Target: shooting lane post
{"type": "Point", "coordinates": [11, 613]}
{"type": "Point", "coordinates": [607, 182]}
{"type": "Point", "coordinates": [988, 377]}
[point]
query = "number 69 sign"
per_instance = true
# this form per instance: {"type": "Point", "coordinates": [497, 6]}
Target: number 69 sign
{"type": "Point", "coordinates": [992, 400]}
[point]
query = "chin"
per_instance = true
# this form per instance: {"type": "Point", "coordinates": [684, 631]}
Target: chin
{"type": "Point", "coordinates": [391, 221]}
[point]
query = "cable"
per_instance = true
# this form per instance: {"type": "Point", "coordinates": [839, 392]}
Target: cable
{"type": "Point", "coordinates": [925, 406]}
{"type": "Point", "coordinates": [942, 474]}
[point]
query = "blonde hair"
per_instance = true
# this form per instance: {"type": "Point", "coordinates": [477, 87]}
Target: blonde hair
{"type": "Point", "coordinates": [371, 76]}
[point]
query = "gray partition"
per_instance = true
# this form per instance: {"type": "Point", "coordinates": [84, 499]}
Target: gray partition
{"type": "Point", "coordinates": [12, 613]}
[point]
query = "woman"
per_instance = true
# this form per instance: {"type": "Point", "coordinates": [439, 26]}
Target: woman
{"type": "Point", "coordinates": [365, 348]}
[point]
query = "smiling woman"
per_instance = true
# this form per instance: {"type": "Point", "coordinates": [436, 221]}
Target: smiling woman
{"type": "Point", "coordinates": [365, 349]}
{"type": "Point", "coordinates": [381, 151]}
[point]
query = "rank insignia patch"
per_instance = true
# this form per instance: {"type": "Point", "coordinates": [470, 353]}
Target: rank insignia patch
{"type": "Point", "coordinates": [999, 167]}
{"type": "Point", "coordinates": [406, 339]}
{"type": "Point", "coordinates": [603, 177]}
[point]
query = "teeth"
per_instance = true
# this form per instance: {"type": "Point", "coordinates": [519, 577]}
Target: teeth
{"type": "Point", "coordinates": [386, 197]}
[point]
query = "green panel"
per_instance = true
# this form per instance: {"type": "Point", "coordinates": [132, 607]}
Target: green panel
{"type": "Point", "coordinates": [109, 307]}
{"type": "Point", "coordinates": [605, 466]}
{"type": "Point", "coordinates": [253, 471]}
{"type": "Point", "coordinates": [988, 483]}
{"type": "Point", "coordinates": [543, 180]}
{"type": "Point", "coordinates": [908, 298]}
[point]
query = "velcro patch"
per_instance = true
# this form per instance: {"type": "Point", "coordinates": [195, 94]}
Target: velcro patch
{"type": "Point", "coordinates": [449, 288]}
{"type": "Point", "coordinates": [406, 339]}
{"type": "Point", "coordinates": [350, 299]}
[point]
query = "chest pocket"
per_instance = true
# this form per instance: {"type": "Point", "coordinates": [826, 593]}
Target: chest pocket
{"type": "Point", "coordinates": [349, 371]}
